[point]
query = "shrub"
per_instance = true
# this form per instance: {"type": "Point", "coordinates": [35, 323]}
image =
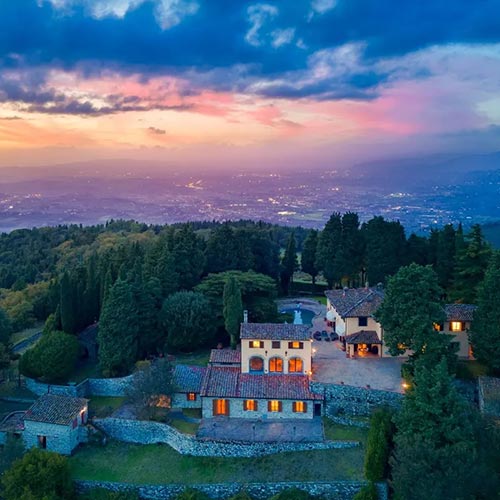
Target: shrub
{"type": "Point", "coordinates": [192, 494]}
{"type": "Point", "coordinates": [292, 494]}
{"type": "Point", "coordinates": [241, 495]}
{"type": "Point", "coordinates": [39, 474]}
{"type": "Point", "coordinates": [378, 445]}
{"type": "Point", "coordinates": [52, 359]}
{"type": "Point", "coordinates": [368, 492]}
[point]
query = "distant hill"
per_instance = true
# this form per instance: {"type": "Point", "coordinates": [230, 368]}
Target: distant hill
{"type": "Point", "coordinates": [492, 233]}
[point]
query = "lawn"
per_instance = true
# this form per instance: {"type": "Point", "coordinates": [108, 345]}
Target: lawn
{"type": "Point", "coordinates": [157, 464]}
{"type": "Point", "coordinates": [183, 426]}
{"type": "Point", "coordinates": [12, 390]}
{"type": "Point", "coordinates": [24, 334]}
{"type": "Point", "coordinates": [199, 358]}
{"type": "Point", "coordinates": [469, 370]}
{"type": "Point", "coordinates": [320, 298]}
{"type": "Point", "coordinates": [103, 406]}
{"type": "Point", "coordinates": [337, 432]}
{"type": "Point", "coordinates": [85, 370]}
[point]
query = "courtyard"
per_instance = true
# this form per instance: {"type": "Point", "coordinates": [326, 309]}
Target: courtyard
{"type": "Point", "coordinates": [331, 366]}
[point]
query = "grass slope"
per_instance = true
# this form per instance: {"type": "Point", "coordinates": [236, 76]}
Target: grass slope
{"type": "Point", "coordinates": [160, 464]}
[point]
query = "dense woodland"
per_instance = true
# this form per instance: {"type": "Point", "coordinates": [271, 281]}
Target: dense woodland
{"type": "Point", "coordinates": [161, 288]}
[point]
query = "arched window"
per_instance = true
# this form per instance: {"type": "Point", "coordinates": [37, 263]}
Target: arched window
{"type": "Point", "coordinates": [295, 365]}
{"type": "Point", "coordinates": [256, 364]}
{"type": "Point", "coordinates": [276, 365]}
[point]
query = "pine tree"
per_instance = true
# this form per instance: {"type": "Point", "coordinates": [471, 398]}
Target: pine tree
{"type": "Point", "coordinates": [445, 257]}
{"type": "Point", "coordinates": [166, 272]}
{"type": "Point", "coordinates": [188, 257]}
{"type": "Point", "coordinates": [5, 328]}
{"type": "Point", "coordinates": [485, 330]}
{"type": "Point", "coordinates": [308, 260]}
{"type": "Point", "coordinates": [118, 331]}
{"type": "Point", "coordinates": [232, 309]}
{"type": "Point", "coordinates": [411, 307]}
{"type": "Point", "coordinates": [289, 264]}
{"type": "Point", "coordinates": [221, 251]}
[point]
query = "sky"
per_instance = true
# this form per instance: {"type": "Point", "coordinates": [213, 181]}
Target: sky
{"type": "Point", "coordinates": [253, 83]}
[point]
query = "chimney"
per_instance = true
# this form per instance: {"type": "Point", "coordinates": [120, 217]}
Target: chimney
{"type": "Point", "coordinates": [345, 291]}
{"type": "Point", "coordinates": [245, 316]}
{"type": "Point", "coordinates": [366, 285]}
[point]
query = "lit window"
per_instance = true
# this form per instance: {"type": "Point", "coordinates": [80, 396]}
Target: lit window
{"type": "Point", "coordinates": [299, 407]}
{"type": "Point", "coordinates": [191, 396]}
{"type": "Point", "coordinates": [295, 365]}
{"type": "Point", "coordinates": [438, 327]}
{"type": "Point", "coordinates": [250, 405]}
{"type": "Point", "coordinates": [257, 344]}
{"type": "Point", "coordinates": [220, 407]}
{"type": "Point", "coordinates": [274, 406]}
{"type": "Point", "coordinates": [456, 326]}
{"type": "Point", "coordinates": [276, 344]}
{"type": "Point", "coordinates": [256, 364]}
{"type": "Point", "coordinates": [295, 345]}
{"type": "Point", "coordinates": [275, 365]}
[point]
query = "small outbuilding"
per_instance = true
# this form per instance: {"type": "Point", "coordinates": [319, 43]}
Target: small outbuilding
{"type": "Point", "coordinates": [56, 423]}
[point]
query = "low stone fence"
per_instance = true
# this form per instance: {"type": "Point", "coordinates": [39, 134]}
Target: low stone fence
{"type": "Point", "coordinates": [146, 432]}
{"type": "Point", "coordinates": [334, 490]}
{"type": "Point", "coordinates": [114, 387]}
{"type": "Point", "coordinates": [349, 400]}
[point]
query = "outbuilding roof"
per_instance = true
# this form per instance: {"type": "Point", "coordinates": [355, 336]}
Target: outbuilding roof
{"type": "Point", "coordinates": [188, 378]}
{"type": "Point", "coordinates": [363, 337]}
{"type": "Point", "coordinates": [225, 357]}
{"type": "Point", "coordinates": [459, 312]}
{"type": "Point", "coordinates": [229, 382]}
{"type": "Point", "coordinates": [54, 409]}
{"type": "Point", "coordinates": [355, 302]}
{"type": "Point", "coordinates": [274, 331]}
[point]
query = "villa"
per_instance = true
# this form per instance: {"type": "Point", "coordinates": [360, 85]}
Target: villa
{"type": "Point", "coordinates": [267, 379]}
{"type": "Point", "coordinates": [350, 314]}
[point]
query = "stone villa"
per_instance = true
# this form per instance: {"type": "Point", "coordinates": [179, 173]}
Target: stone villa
{"type": "Point", "coordinates": [350, 313]}
{"type": "Point", "coordinates": [267, 379]}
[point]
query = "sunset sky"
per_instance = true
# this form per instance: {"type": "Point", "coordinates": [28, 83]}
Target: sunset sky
{"type": "Point", "coordinates": [226, 81]}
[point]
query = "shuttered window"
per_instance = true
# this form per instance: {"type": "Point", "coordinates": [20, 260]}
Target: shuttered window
{"type": "Point", "coordinates": [275, 406]}
{"type": "Point", "coordinates": [220, 407]}
{"type": "Point", "coordinates": [299, 407]}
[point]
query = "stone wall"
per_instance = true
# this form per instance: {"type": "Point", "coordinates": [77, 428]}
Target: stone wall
{"type": "Point", "coordinates": [334, 490]}
{"type": "Point", "coordinates": [115, 387]}
{"type": "Point", "coordinates": [146, 432]}
{"type": "Point", "coordinates": [349, 400]}
{"type": "Point", "coordinates": [489, 396]}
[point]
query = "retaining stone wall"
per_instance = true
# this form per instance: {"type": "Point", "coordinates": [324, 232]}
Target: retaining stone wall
{"type": "Point", "coordinates": [146, 432]}
{"type": "Point", "coordinates": [349, 400]}
{"type": "Point", "coordinates": [114, 387]}
{"type": "Point", "coordinates": [335, 490]}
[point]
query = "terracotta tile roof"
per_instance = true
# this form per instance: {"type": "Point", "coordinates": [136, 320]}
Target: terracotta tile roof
{"type": "Point", "coordinates": [459, 312]}
{"type": "Point", "coordinates": [225, 357]}
{"type": "Point", "coordinates": [225, 382]}
{"type": "Point", "coordinates": [363, 337]}
{"type": "Point", "coordinates": [355, 302]}
{"type": "Point", "coordinates": [188, 378]}
{"type": "Point", "coordinates": [53, 409]}
{"type": "Point", "coordinates": [274, 331]}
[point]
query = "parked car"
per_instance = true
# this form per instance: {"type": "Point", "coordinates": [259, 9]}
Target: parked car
{"type": "Point", "coordinates": [334, 336]}
{"type": "Point", "coordinates": [325, 336]}
{"type": "Point", "coordinates": [317, 335]}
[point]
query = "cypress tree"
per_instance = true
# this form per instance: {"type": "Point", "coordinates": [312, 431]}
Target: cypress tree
{"type": "Point", "coordinates": [67, 304]}
{"type": "Point", "coordinates": [166, 272]}
{"type": "Point", "coordinates": [308, 260]}
{"type": "Point", "coordinates": [329, 242]}
{"type": "Point", "coordinates": [118, 331]}
{"type": "Point", "coordinates": [232, 309]}
{"type": "Point", "coordinates": [289, 264]}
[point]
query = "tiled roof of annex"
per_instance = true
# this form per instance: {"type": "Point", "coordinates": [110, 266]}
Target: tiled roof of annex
{"type": "Point", "coordinates": [188, 378]}
{"type": "Point", "coordinates": [54, 409]}
{"type": "Point", "coordinates": [355, 302]}
{"type": "Point", "coordinates": [274, 331]}
{"type": "Point", "coordinates": [459, 312]}
{"type": "Point", "coordinates": [229, 382]}
{"type": "Point", "coordinates": [225, 357]}
{"type": "Point", "coordinates": [363, 337]}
